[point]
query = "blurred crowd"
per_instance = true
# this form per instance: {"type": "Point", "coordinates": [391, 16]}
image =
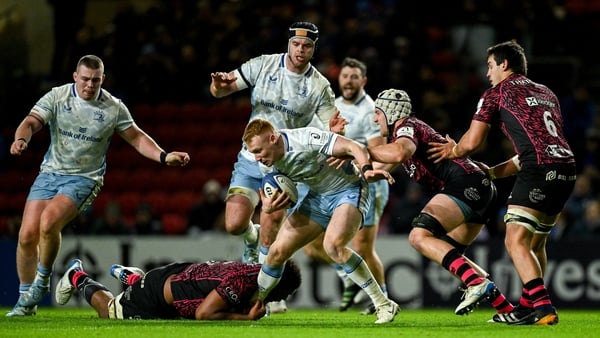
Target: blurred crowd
{"type": "Point", "coordinates": [434, 50]}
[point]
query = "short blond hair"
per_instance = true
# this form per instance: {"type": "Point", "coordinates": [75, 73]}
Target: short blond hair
{"type": "Point", "coordinates": [257, 127]}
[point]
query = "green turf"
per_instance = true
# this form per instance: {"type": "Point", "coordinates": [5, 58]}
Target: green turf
{"type": "Point", "coordinates": [53, 322]}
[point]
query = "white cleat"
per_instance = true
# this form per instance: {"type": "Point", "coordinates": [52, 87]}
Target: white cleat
{"type": "Point", "coordinates": [474, 295]}
{"type": "Point", "coordinates": [64, 290]}
{"type": "Point", "coordinates": [277, 307]}
{"type": "Point", "coordinates": [387, 312]}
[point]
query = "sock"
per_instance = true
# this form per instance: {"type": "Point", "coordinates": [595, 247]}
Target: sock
{"type": "Point", "coordinates": [457, 265]}
{"type": "Point", "coordinates": [525, 300]}
{"type": "Point", "coordinates": [251, 234]}
{"type": "Point", "coordinates": [75, 276]}
{"type": "Point", "coordinates": [42, 276]}
{"type": "Point", "coordinates": [499, 302]}
{"type": "Point", "coordinates": [384, 289]}
{"type": "Point", "coordinates": [263, 251]}
{"type": "Point", "coordinates": [132, 278]}
{"type": "Point", "coordinates": [86, 285]}
{"type": "Point", "coordinates": [539, 295]}
{"type": "Point", "coordinates": [358, 271]}
{"type": "Point", "coordinates": [342, 274]}
{"type": "Point", "coordinates": [24, 287]}
{"type": "Point", "coordinates": [268, 278]}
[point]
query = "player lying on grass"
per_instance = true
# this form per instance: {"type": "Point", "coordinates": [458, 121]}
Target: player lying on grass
{"type": "Point", "coordinates": [213, 290]}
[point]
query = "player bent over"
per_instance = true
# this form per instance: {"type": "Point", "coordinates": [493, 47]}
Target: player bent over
{"type": "Point", "coordinates": [335, 204]}
{"type": "Point", "coordinates": [455, 215]}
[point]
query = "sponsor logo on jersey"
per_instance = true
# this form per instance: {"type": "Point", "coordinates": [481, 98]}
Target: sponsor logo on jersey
{"type": "Point", "coordinates": [531, 101]}
{"type": "Point", "coordinates": [232, 295]}
{"type": "Point", "coordinates": [551, 175]}
{"type": "Point", "coordinates": [67, 107]}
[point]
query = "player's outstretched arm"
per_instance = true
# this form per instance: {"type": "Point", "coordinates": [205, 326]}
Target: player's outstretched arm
{"type": "Point", "coordinates": [215, 308]}
{"type": "Point", "coordinates": [146, 146]}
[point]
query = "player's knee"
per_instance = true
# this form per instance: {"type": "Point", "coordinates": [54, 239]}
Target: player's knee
{"type": "Point", "coordinates": [431, 227]}
{"type": "Point", "coordinates": [334, 251]}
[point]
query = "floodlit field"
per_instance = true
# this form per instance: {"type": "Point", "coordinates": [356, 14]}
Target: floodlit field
{"type": "Point", "coordinates": [54, 322]}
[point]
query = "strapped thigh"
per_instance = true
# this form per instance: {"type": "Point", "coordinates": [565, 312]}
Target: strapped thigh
{"type": "Point", "coordinates": [530, 222]}
{"type": "Point", "coordinates": [429, 222]}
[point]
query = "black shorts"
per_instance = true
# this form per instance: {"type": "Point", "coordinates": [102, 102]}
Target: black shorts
{"type": "Point", "coordinates": [544, 188]}
{"type": "Point", "coordinates": [476, 191]}
{"type": "Point", "coordinates": [145, 298]}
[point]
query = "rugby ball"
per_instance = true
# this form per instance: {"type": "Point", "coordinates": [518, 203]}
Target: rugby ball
{"type": "Point", "coordinates": [274, 181]}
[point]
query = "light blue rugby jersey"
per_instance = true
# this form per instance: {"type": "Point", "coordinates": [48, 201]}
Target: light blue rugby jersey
{"type": "Point", "coordinates": [359, 115]}
{"type": "Point", "coordinates": [284, 98]}
{"type": "Point", "coordinates": [305, 160]}
{"type": "Point", "coordinates": [80, 130]}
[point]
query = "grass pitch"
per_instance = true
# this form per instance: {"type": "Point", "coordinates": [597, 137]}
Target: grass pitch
{"type": "Point", "coordinates": [439, 323]}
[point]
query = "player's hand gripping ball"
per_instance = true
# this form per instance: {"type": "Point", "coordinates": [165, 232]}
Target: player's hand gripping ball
{"type": "Point", "coordinates": [274, 181]}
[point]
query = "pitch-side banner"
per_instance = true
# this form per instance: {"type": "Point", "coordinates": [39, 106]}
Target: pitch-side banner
{"type": "Point", "coordinates": [572, 275]}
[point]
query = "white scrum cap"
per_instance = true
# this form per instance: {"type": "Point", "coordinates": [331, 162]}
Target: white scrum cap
{"type": "Point", "coordinates": [394, 103]}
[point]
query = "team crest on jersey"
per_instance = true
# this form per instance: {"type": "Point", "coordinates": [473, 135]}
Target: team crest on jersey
{"type": "Point", "coordinates": [99, 116]}
{"type": "Point", "coordinates": [406, 131]}
{"type": "Point", "coordinates": [303, 92]}
{"type": "Point", "coordinates": [531, 101]}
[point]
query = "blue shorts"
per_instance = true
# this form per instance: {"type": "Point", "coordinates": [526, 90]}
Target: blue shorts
{"type": "Point", "coordinates": [319, 207]}
{"type": "Point", "coordinates": [378, 197]}
{"type": "Point", "coordinates": [246, 179]}
{"type": "Point", "coordinates": [82, 190]}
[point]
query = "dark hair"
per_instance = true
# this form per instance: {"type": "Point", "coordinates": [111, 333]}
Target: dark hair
{"type": "Point", "coordinates": [289, 283]}
{"type": "Point", "coordinates": [512, 52]}
{"type": "Point", "coordinates": [91, 61]}
{"type": "Point", "coordinates": [354, 63]}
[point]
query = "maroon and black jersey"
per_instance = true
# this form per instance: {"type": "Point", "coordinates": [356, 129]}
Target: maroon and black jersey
{"type": "Point", "coordinates": [419, 167]}
{"type": "Point", "coordinates": [235, 282]}
{"type": "Point", "coordinates": [529, 115]}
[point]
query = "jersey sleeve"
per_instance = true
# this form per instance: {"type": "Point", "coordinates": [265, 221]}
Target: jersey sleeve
{"type": "Point", "coordinates": [45, 105]}
{"type": "Point", "coordinates": [237, 288]}
{"type": "Point", "coordinates": [326, 107]}
{"type": "Point", "coordinates": [248, 72]}
{"type": "Point", "coordinates": [487, 106]}
{"type": "Point", "coordinates": [124, 120]}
